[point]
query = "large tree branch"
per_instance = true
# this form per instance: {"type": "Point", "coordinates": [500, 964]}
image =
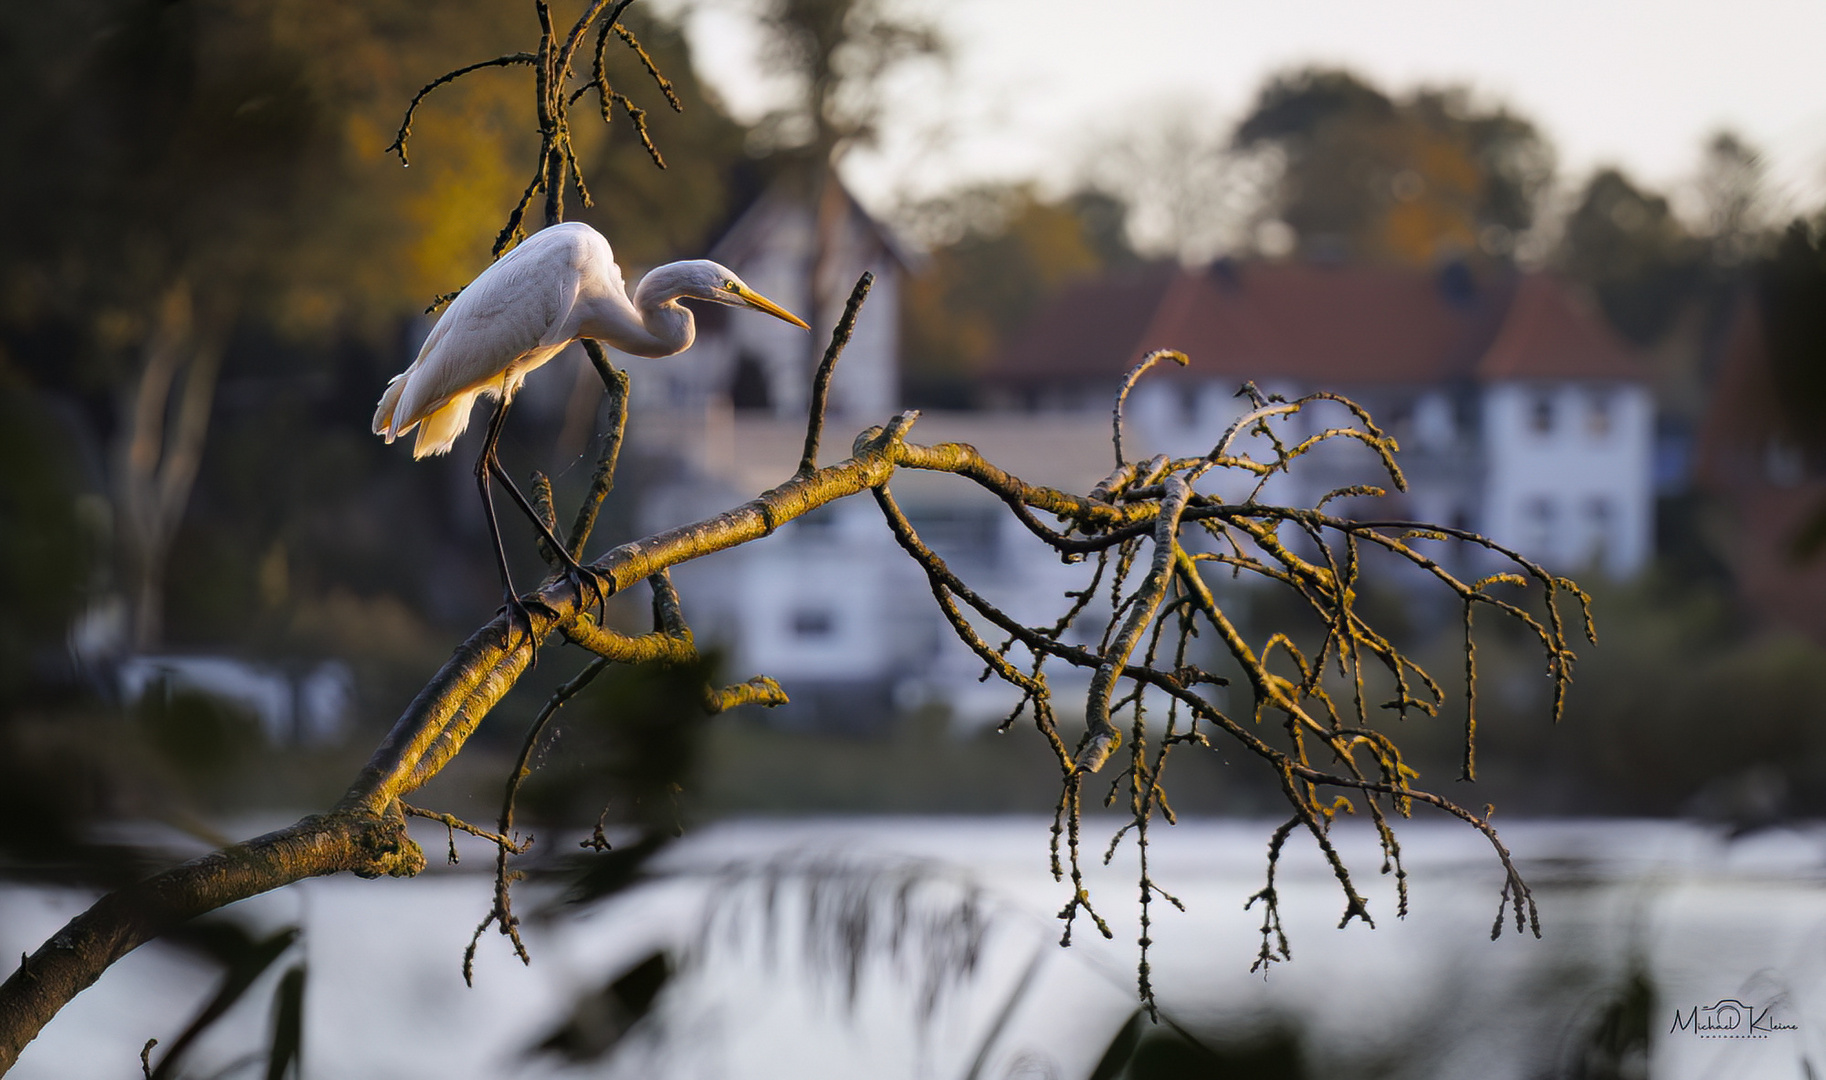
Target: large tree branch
{"type": "Point", "coordinates": [118, 923]}
{"type": "Point", "coordinates": [365, 833]}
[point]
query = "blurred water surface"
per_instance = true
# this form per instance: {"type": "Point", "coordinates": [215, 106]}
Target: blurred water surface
{"type": "Point", "coordinates": [926, 947]}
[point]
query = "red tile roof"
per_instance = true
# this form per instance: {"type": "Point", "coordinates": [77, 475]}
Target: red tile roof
{"type": "Point", "coordinates": [1089, 331]}
{"type": "Point", "coordinates": [1743, 423]}
{"type": "Point", "coordinates": [1314, 324]}
{"type": "Point", "coordinates": [1742, 415]}
{"type": "Point", "coordinates": [1549, 334]}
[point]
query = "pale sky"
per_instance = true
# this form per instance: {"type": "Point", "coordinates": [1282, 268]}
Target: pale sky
{"type": "Point", "coordinates": [1640, 83]}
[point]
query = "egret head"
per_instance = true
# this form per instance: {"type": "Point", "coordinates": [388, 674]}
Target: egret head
{"type": "Point", "coordinates": [701, 279]}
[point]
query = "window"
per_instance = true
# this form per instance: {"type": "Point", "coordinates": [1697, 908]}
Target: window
{"type": "Point", "coordinates": [817, 527]}
{"type": "Point", "coordinates": [965, 532]}
{"type": "Point", "coordinates": [1435, 428]}
{"type": "Point", "coordinates": [748, 388]}
{"type": "Point", "coordinates": [1598, 417]}
{"type": "Point", "coordinates": [1538, 514]}
{"type": "Point", "coordinates": [813, 623]}
{"type": "Point", "coordinates": [1599, 514]}
{"type": "Point", "coordinates": [1540, 414]}
{"type": "Point", "coordinates": [1188, 404]}
{"type": "Point", "coordinates": [1600, 525]}
{"type": "Point", "coordinates": [1783, 464]}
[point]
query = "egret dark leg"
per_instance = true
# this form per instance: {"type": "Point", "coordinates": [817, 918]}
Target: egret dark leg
{"type": "Point", "coordinates": [516, 610]}
{"type": "Point", "coordinates": [587, 582]}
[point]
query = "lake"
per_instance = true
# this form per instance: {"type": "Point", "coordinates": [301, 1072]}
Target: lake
{"type": "Point", "coordinates": [927, 948]}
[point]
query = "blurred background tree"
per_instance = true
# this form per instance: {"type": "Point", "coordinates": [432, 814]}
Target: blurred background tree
{"type": "Point", "coordinates": [216, 264]}
{"type": "Point", "coordinates": [838, 57]}
{"type": "Point", "coordinates": [1628, 246]}
{"type": "Point", "coordinates": [1366, 177]}
{"type": "Point", "coordinates": [213, 266]}
{"type": "Point", "coordinates": [998, 253]}
{"type": "Point", "coordinates": [217, 219]}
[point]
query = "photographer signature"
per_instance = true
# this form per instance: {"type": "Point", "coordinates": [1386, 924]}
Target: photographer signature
{"type": "Point", "coordinates": [1729, 1019]}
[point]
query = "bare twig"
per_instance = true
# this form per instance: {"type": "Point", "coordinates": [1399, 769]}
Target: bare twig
{"type": "Point", "coordinates": [457, 824]}
{"type": "Point", "coordinates": [603, 480]}
{"type": "Point", "coordinates": [1128, 383]}
{"type": "Point", "coordinates": [1101, 737]}
{"type": "Point", "coordinates": [398, 145]}
{"type": "Point", "coordinates": [821, 382]}
{"type": "Point", "coordinates": [503, 911]}
{"type": "Point", "coordinates": [665, 84]}
{"type": "Point", "coordinates": [365, 833]}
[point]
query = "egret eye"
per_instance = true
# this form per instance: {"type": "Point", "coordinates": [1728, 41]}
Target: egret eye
{"type": "Point", "coordinates": [730, 285]}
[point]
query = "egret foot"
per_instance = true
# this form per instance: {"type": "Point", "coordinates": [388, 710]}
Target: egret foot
{"type": "Point", "coordinates": [590, 586]}
{"type": "Point", "coordinates": [520, 616]}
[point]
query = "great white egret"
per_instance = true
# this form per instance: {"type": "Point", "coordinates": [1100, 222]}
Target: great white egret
{"type": "Point", "coordinates": [559, 285]}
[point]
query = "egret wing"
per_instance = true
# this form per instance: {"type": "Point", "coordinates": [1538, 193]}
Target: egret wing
{"type": "Point", "coordinates": [513, 310]}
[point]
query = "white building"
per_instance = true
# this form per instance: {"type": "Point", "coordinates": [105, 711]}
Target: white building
{"type": "Point", "coordinates": [761, 365]}
{"type": "Point", "coordinates": [830, 605]}
{"type": "Point", "coordinates": [1520, 414]}
{"type": "Point", "coordinates": [818, 605]}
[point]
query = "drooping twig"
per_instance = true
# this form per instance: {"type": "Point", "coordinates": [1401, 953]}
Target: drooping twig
{"type": "Point", "coordinates": [398, 145]}
{"type": "Point", "coordinates": [1101, 737]}
{"type": "Point", "coordinates": [365, 832]}
{"type": "Point", "coordinates": [1128, 383]}
{"type": "Point", "coordinates": [503, 912]}
{"type": "Point", "coordinates": [665, 84]}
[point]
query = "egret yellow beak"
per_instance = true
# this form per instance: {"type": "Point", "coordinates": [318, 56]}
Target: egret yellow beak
{"type": "Point", "coordinates": [749, 298]}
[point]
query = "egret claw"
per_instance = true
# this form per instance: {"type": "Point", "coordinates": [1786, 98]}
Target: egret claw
{"type": "Point", "coordinates": [519, 615]}
{"type": "Point", "coordinates": [590, 591]}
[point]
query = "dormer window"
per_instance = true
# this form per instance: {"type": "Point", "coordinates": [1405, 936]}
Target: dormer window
{"type": "Point", "coordinates": [1540, 414]}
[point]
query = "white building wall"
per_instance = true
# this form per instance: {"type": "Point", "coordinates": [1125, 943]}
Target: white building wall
{"type": "Point", "coordinates": [1183, 418]}
{"type": "Point", "coordinates": [1570, 473]}
{"type": "Point", "coordinates": [785, 351]}
{"type": "Point", "coordinates": [1186, 419]}
{"type": "Point", "coordinates": [867, 383]}
{"type": "Point", "coordinates": [1026, 580]}
{"type": "Point", "coordinates": [808, 601]}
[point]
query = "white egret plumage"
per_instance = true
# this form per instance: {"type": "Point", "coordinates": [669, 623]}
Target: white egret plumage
{"type": "Point", "coordinates": [558, 286]}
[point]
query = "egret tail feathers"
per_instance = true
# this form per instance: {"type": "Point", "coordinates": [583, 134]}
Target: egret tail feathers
{"type": "Point", "coordinates": [438, 429]}
{"type": "Point", "coordinates": [389, 403]}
